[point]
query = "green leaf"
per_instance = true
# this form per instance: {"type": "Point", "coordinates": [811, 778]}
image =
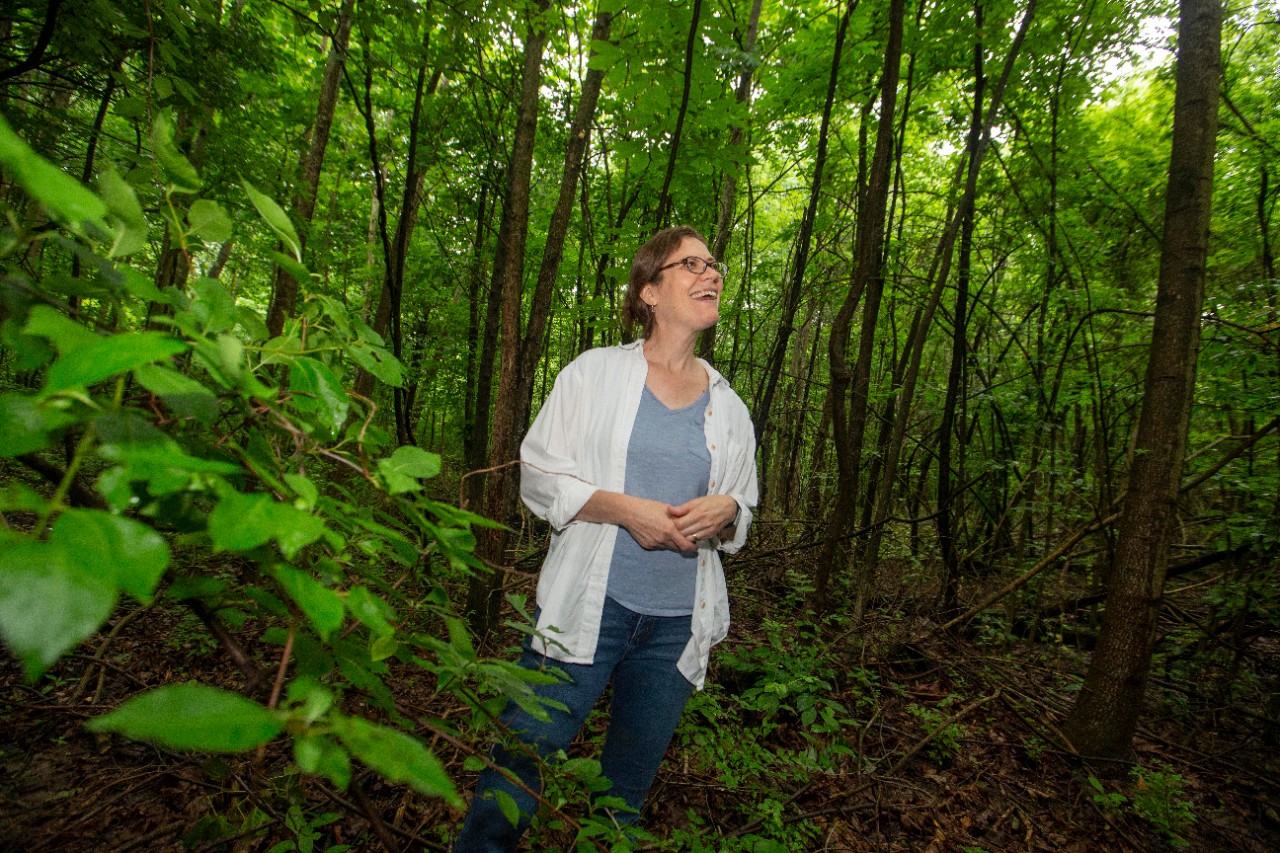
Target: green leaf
{"type": "Point", "coordinates": [208, 221]}
{"type": "Point", "coordinates": [141, 287]}
{"type": "Point", "coordinates": [369, 609]}
{"type": "Point", "coordinates": [383, 648]}
{"type": "Point", "coordinates": [507, 804]}
{"type": "Point", "coordinates": [306, 491]}
{"type": "Point", "coordinates": [26, 424]}
{"type": "Point", "coordinates": [243, 522]}
{"type": "Point", "coordinates": [64, 198]}
{"type": "Point", "coordinates": [397, 756]}
{"type": "Point", "coordinates": [186, 396]}
{"type": "Point", "coordinates": [214, 305]}
{"type": "Point", "coordinates": [321, 605]}
{"type": "Point", "coordinates": [377, 361]}
{"type": "Point", "coordinates": [316, 390]}
{"type": "Point", "coordinates": [406, 466]}
{"type": "Point", "coordinates": [178, 172]}
{"type": "Point", "coordinates": [192, 716]}
{"type": "Point", "coordinates": [293, 267]}
{"type": "Point", "coordinates": [48, 602]}
{"type": "Point", "coordinates": [323, 757]}
{"type": "Point", "coordinates": [134, 554]}
{"type": "Point", "coordinates": [106, 357]}
{"type": "Point", "coordinates": [66, 334]}
{"type": "Point", "coordinates": [131, 235]}
{"type": "Point", "coordinates": [275, 217]}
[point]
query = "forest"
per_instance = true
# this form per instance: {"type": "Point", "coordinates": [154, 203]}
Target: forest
{"type": "Point", "coordinates": [283, 283]}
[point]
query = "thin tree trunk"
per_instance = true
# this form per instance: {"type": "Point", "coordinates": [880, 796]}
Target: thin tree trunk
{"type": "Point", "coordinates": [791, 295]}
{"type": "Point", "coordinates": [664, 197]}
{"type": "Point", "coordinates": [868, 277]}
{"type": "Point", "coordinates": [284, 294]}
{"type": "Point", "coordinates": [387, 318]}
{"type": "Point", "coordinates": [484, 590]}
{"type": "Point", "coordinates": [902, 406]}
{"type": "Point", "coordinates": [1105, 716]}
{"type": "Point", "coordinates": [728, 190]}
{"type": "Point", "coordinates": [945, 519]}
{"type": "Point", "coordinates": [553, 253]}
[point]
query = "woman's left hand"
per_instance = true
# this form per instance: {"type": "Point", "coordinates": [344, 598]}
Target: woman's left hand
{"type": "Point", "coordinates": [704, 517]}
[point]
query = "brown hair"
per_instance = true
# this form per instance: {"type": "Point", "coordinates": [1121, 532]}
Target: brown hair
{"type": "Point", "coordinates": [645, 270]}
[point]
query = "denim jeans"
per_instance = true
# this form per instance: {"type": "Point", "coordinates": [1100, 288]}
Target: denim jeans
{"type": "Point", "coordinates": [639, 654]}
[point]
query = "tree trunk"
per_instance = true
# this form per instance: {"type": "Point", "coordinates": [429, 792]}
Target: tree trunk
{"type": "Point", "coordinates": [664, 197]}
{"type": "Point", "coordinates": [900, 417]}
{"type": "Point", "coordinates": [553, 253]}
{"type": "Point", "coordinates": [791, 296]}
{"type": "Point", "coordinates": [728, 190]}
{"type": "Point", "coordinates": [868, 277]}
{"type": "Point", "coordinates": [284, 294]}
{"type": "Point", "coordinates": [946, 511]}
{"type": "Point", "coordinates": [484, 590]}
{"type": "Point", "coordinates": [1105, 717]}
{"type": "Point", "coordinates": [387, 317]}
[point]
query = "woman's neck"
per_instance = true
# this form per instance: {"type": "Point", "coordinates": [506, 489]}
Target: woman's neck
{"type": "Point", "coordinates": [673, 353]}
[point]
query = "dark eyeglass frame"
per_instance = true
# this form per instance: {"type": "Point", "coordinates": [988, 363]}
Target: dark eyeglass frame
{"type": "Point", "coordinates": [698, 266]}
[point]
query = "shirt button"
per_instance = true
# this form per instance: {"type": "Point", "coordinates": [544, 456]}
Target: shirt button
{"type": "Point", "coordinates": [704, 605]}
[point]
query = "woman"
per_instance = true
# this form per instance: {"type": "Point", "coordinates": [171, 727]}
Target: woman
{"type": "Point", "coordinates": [642, 461]}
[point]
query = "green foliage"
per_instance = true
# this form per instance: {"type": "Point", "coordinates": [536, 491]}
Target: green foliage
{"type": "Point", "coordinates": [198, 435]}
{"type": "Point", "coordinates": [1156, 796]}
{"type": "Point", "coordinates": [946, 736]}
{"type": "Point", "coordinates": [193, 716]}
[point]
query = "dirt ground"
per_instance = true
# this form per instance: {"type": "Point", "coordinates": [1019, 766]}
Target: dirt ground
{"type": "Point", "coordinates": [1004, 785]}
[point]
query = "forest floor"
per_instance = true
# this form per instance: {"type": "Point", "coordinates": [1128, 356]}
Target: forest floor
{"type": "Point", "coordinates": [950, 744]}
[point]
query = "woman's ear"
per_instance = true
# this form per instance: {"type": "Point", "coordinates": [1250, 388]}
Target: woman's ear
{"type": "Point", "coordinates": [648, 294]}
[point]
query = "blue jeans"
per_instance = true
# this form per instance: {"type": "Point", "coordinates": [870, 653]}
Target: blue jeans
{"type": "Point", "coordinates": [639, 654]}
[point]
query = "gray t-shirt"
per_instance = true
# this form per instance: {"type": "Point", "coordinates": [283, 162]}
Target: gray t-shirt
{"type": "Point", "coordinates": [668, 461]}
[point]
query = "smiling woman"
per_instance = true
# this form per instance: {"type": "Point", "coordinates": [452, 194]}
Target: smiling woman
{"type": "Point", "coordinates": [632, 592]}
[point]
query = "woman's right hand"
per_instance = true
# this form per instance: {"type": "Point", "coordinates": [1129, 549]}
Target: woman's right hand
{"type": "Point", "coordinates": [649, 522]}
{"type": "Point", "coordinates": [654, 528]}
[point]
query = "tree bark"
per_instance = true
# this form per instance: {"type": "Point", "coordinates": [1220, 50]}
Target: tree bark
{"type": "Point", "coordinates": [484, 590]}
{"type": "Point", "coordinates": [791, 296]}
{"type": "Point", "coordinates": [1105, 716]}
{"type": "Point", "coordinates": [959, 353]}
{"type": "Point", "coordinates": [729, 189]}
{"type": "Point", "coordinates": [868, 277]}
{"type": "Point", "coordinates": [284, 294]}
{"type": "Point", "coordinates": [664, 197]}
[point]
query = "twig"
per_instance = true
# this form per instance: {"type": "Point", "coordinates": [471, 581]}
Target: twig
{"type": "Point", "coordinates": [252, 673]}
{"type": "Point", "coordinates": [279, 683]}
{"type": "Point", "coordinates": [100, 654]}
{"type": "Point", "coordinates": [144, 839]}
{"type": "Point", "coordinates": [371, 814]}
{"type": "Point", "coordinates": [1030, 573]}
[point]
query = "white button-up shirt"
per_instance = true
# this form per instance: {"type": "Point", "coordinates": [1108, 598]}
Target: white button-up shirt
{"type": "Point", "coordinates": [578, 444]}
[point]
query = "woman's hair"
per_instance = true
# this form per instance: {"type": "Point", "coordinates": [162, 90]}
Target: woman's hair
{"type": "Point", "coordinates": [644, 270]}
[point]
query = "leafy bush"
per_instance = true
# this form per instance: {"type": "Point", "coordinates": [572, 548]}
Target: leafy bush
{"type": "Point", "coordinates": [212, 466]}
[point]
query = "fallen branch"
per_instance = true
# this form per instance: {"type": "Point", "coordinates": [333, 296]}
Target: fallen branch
{"type": "Point", "coordinates": [1018, 582]}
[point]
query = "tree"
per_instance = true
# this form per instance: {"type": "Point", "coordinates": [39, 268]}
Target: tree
{"type": "Point", "coordinates": [1105, 716]}
{"type": "Point", "coordinates": [508, 290]}
{"type": "Point", "coordinates": [284, 296]}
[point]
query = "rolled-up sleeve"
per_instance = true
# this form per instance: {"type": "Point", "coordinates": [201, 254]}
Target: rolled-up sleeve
{"type": "Point", "coordinates": [552, 481]}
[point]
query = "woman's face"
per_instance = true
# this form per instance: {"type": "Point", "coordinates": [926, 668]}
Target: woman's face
{"type": "Point", "coordinates": [685, 300]}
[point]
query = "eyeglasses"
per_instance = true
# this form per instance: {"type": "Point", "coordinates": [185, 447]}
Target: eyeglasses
{"type": "Point", "coordinates": [698, 266]}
